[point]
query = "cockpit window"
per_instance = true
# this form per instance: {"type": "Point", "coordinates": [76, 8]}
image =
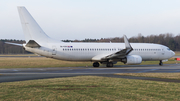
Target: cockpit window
{"type": "Point", "coordinates": [168, 49]}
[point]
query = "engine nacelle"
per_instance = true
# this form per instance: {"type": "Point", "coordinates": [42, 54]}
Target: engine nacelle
{"type": "Point", "coordinates": [132, 59]}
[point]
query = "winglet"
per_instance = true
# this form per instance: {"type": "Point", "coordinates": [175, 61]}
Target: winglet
{"type": "Point", "coordinates": [127, 45]}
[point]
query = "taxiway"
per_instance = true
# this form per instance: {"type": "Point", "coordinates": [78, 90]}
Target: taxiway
{"type": "Point", "coordinates": [20, 74]}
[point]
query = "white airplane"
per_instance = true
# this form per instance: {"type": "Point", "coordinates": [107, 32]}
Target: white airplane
{"type": "Point", "coordinates": [100, 53]}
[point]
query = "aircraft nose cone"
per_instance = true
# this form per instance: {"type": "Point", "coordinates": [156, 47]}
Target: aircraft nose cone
{"type": "Point", "coordinates": [172, 53]}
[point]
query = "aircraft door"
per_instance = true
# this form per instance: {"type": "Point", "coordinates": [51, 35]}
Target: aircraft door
{"type": "Point", "coordinates": [54, 50]}
{"type": "Point", "coordinates": [163, 52]}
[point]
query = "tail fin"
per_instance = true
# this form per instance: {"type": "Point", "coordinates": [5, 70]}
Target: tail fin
{"type": "Point", "coordinates": [30, 27]}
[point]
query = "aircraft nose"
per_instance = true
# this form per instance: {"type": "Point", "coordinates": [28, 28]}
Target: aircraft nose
{"type": "Point", "coordinates": [172, 53]}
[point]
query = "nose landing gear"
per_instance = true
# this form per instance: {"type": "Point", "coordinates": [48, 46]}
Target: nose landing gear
{"type": "Point", "coordinates": [160, 63]}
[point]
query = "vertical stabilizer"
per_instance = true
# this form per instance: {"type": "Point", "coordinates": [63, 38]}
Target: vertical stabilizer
{"type": "Point", "coordinates": [30, 27]}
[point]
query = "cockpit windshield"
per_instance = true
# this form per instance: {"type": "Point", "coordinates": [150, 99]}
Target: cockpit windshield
{"type": "Point", "coordinates": [168, 49]}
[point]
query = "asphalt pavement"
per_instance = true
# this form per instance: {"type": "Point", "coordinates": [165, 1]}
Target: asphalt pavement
{"type": "Point", "coordinates": [21, 74]}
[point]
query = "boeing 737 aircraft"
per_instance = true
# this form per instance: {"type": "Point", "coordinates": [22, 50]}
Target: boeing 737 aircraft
{"type": "Point", "coordinates": [98, 53]}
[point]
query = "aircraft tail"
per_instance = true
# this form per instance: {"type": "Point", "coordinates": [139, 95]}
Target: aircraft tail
{"type": "Point", "coordinates": [31, 28]}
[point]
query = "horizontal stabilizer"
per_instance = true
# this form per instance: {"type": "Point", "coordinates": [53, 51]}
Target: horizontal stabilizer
{"type": "Point", "coordinates": [14, 44]}
{"type": "Point", "coordinates": [32, 44]}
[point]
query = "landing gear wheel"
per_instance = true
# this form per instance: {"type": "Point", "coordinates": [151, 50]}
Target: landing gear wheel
{"type": "Point", "coordinates": [95, 64]}
{"type": "Point", "coordinates": [160, 63]}
{"type": "Point", "coordinates": [109, 64]}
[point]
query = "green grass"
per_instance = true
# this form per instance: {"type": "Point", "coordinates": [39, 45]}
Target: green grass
{"type": "Point", "coordinates": [18, 55]}
{"type": "Point", "coordinates": [38, 62]}
{"type": "Point", "coordinates": [177, 53]}
{"type": "Point", "coordinates": [156, 75]}
{"type": "Point", "coordinates": [89, 88]}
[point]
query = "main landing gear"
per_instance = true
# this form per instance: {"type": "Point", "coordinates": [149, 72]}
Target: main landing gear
{"type": "Point", "coordinates": [95, 64]}
{"type": "Point", "coordinates": [108, 64]}
{"type": "Point", "coordinates": [160, 63]}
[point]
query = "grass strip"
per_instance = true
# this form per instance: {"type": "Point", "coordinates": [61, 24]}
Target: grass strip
{"type": "Point", "coordinates": [18, 55]}
{"type": "Point", "coordinates": [155, 75]}
{"type": "Point", "coordinates": [89, 88]}
{"type": "Point", "coordinates": [42, 62]}
{"type": "Point", "coordinates": [38, 62]}
{"type": "Point", "coordinates": [177, 53]}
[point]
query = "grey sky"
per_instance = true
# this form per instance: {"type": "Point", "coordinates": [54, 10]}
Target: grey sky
{"type": "Point", "coordinates": [80, 19]}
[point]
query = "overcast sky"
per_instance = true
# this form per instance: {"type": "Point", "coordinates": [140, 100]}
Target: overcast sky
{"type": "Point", "coordinates": [80, 19]}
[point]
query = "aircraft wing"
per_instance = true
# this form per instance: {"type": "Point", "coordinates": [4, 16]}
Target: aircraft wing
{"type": "Point", "coordinates": [122, 53]}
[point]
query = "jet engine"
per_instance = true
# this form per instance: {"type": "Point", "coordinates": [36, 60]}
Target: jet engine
{"type": "Point", "coordinates": [132, 59]}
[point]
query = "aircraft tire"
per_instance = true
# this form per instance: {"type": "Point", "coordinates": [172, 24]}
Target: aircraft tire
{"type": "Point", "coordinates": [95, 64]}
{"type": "Point", "coordinates": [109, 64]}
{"type": "Point", "coordinates": [160, 63]}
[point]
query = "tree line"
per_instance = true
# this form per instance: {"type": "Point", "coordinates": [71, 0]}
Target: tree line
{"type": "Point", "coordinates": [11, 49]}
{"type": "Point", "coordinates": [168, 39]}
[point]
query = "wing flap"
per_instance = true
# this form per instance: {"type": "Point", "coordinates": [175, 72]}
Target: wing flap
{"type": "Point", "coordinates": [99, 57]}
